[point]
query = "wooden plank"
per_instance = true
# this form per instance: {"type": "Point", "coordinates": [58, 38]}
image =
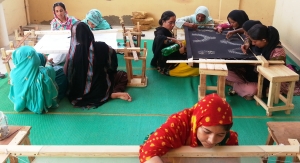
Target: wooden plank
{"type": "Point", "coordinates": [132, 45]}
{"type": "Point", "coordinates": [62, 32]}
{"type": "Point", "coordinates": [294, 142]}
{"type": "Point", "coordinates": [133, 151]}
{"type": "Point", "coordinates": [3, 158]}
{"type": "Point", "coordinates": [223, 61]}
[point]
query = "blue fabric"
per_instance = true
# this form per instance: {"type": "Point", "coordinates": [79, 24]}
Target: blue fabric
{"type": "Point", "coordinates": [32, 86]}
{"type": "Point", "coordinates": [95, 17]}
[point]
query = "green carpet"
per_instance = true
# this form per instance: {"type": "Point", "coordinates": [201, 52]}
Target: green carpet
{"type": "Point", "coordinates": [127, 123]}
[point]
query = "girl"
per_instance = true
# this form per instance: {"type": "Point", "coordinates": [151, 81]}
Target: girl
{"type": "Point", "coordinates": [95, 21]}
{"type": "Point", "coordinates": [197, 20]}
{"type": "Point", "coordinates": [164, 38]}
{"type": "Point", "coordinates": [236, 19]}
{"type": "Point", "coordinates": [91, 69]}
{"type": "Point", "coordinates": [206, 124]}
{"type": "Point", "coordinates": [267, 39]}
{"type": "Point", "coordinates": [61, 20]}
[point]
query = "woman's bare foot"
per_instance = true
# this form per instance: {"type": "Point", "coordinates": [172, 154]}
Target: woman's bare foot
{"type": "Point", "coordinates": [121, 95]}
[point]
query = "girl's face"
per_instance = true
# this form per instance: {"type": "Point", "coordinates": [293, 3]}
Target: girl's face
{"type": "Point", "coordinates": [233, 23]}
{"type": "Point", "coordinates": [60, 12]}
{"type": "Point", "coordinates": [210, 136]}
{"type": "Point", "coordinates": [169, 24]}
{"type": "Point", "coordinates": [200, 17]}
{"type": "Point", "coordinates": [259, 43]}
{"type": "Point", "coordinates": [91, 24]}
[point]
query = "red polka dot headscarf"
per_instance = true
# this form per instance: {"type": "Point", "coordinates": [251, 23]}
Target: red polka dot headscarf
{"type": "Point", "coordinates": [212, 110]}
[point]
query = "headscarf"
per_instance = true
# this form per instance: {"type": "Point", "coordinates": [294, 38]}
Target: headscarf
{"type": "Point", "coordinates": [239, 16]}
{"type": "Point", "coordinates": [56, 24]}
{"type": "Point", "coordinates": [32, 86]}
{"type": "Point", "coordinates": [273, 41]}
{"type": "Point", "coordinates": [90, 83]}
{"type": "Point", "coordinates": [95, 17]}
{"type": "Point", "coordinates": [250, 23]}
{"type": "Point", "coordinates": [212, 110]}
{"type": "Point", "coordinates": [201, 10]}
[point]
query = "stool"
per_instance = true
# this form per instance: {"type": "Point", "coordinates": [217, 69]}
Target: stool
{"type": "Point", "coordinates": [280, 132]}
{"type": "Point", "coordinates": [220, 70]}
{"type": "Point", "coordinates": [276, 74]}
{"type": "Point", "coordinates": [18, 135]}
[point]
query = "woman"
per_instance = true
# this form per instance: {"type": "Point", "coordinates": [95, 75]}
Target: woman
{"type": "Point", "coordinates": [61, 20]}
{"type": "Point", "coordinates": [206, 124]}
{"type": "Point", "coordinates": [91, 69]}
{"type": "Point", "coordinates": [247, 43]}
{"type": "Point", "coordinates": [32, 86]}
{"type": "Point", "coordinates": [236, 19]}
{"type": "Point", "coordinates": [267, 39]}
{"type": "Point", "coordinates": [197, 20]}
{"type": "Point", "coordinates": [164, 38]}
{"type": "Point", "coordinates": [95, 21]}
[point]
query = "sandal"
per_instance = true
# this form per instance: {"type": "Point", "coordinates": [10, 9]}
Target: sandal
{"type": "Point", "coordinates": [231, 92]}
{"type": "Point", "coordinates": [2, 76]}
{"type": "Point", "coordinates": [248, 98]}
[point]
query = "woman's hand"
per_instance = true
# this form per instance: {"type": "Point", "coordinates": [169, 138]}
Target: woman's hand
{"type": "Point", "coordinates": [193, 26]}
{"type": "Point", "coordinates": [218, 29]}
{"type": "Point", "coordinates": [229, 34]}
{"type": "Point", "coordinates": [175, 41]}
{"type": "Point", "coordinates": [182, 50]}
{"type": "Point", "coordinates": [244, 48]}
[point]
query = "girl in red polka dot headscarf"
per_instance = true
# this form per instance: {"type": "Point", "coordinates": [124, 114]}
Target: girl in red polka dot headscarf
{"type": "Point", "coordinates": [206, 124]}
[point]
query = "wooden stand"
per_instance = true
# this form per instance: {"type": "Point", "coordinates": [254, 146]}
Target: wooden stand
{"type": "Point", "coordinates": [134, 51]}
{"type": "Point", "coordinates": [135, 80]}
{"type": "Point", "coordinates": [31, 38]}
{"type": "Point", "coordinates": [280, 132]}
{"type": "Point", "coordinates": [19, 135]}
{"type": "Point", "coordinates": [276, 74]}
{"type": "Point", "coordinates": [220, 70]}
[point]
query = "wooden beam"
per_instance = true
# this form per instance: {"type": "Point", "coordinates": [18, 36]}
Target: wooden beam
{"type": "Point", "coordinates": [133, 151]}
{"type": "Point", "coordinates": [61, 32]}
{"type": "Point", "coordinates": [220, 61]}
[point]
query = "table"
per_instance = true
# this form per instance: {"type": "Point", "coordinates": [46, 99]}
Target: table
{"type": "Point", "coordinates": [280, 132]}
{"type": "Point", "coordinates": [60, 44]}
{"type": "Point", "coordinates": [208, 44]}
{"type": "Point", "coordinates": [19, 135]}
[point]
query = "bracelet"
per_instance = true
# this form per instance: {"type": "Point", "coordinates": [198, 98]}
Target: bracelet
{"type": "Point", "coordinates": [169, 41]}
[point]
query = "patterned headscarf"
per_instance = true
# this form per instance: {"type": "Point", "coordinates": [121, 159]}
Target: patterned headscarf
{"type": "Point", "coordinates": [212, 110]}
{"type": "Point", "coordinates": [201, 10]}
{"type": "Point", "coordinates": [94, 16]}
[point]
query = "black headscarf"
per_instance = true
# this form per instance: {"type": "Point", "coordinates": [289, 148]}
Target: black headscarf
{"type": "Point", "coordinates": [273, 41]}
{"type": "Point", "coordinates": [88, 63]}
{"type": "Point", "coordinates": [239, 16]}
{"type": "Point", "coordinates": [250, 23]}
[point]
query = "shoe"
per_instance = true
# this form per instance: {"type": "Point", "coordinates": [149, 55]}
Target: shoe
{"type": "Point", "coordinates": [2, 76]}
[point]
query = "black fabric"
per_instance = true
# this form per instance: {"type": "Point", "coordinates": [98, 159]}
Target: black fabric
{"type": "Point", "coordinates": [239, 16]}
{"type": "Point", "coordinates": [158, 60]}
{"type": "Point", "coordinates": [250, 23]}
{"type": "Point", "coordinates": [102, 77]}
{"type": "Point", "coordinates": [273, 41]}
{"type": "Point", "coordinates": [209, 44]}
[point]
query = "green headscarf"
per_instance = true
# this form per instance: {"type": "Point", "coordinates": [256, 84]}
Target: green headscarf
{"type": "Point", "coordinates": [201, 10]}
{"type": "Point", "coordinates": [32, 86]}
{"type": "Point", "coordinates": [95, 17]}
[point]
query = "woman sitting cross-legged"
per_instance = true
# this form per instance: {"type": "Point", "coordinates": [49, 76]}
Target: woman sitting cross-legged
{"type": "Point", "coordinates": [32, 85]}
{"type": "Point", "coordinates": [91, 69]}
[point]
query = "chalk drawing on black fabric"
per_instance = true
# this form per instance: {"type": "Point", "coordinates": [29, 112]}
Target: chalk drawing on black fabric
{"type": "Point", "coordinates": [236, 51]}
{"type": "Point", "coordinates": [205, 52]}
{"type": "Point", "coordinates": [225, 41]}
{"type": "Point", "coordinates": [201, 37]}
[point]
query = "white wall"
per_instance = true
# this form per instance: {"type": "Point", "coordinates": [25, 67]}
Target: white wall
{"type": "Point", "coordinates": [15, 15]}
{"type": "Point", "coordinates": [286, 20]}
